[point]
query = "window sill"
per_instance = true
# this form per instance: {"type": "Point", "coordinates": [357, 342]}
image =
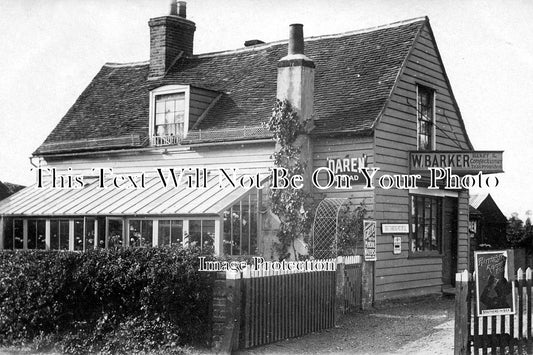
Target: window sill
{"type": "Point", "coordinates": [158, 141]}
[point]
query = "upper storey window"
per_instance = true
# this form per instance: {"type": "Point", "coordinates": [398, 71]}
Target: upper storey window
{"type": "Point", "coordinates": [169, 114]}
{"type": "Point", "coordinates": [425, 118]}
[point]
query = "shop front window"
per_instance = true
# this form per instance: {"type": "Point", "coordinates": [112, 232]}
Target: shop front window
{"type": "Point", "coordinates": [426, 224]}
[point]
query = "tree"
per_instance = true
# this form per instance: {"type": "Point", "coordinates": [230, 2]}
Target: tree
{"type": "Point", "coordinates": [515, 230]}
{"type": "Point", "coordinates": [520, 234]}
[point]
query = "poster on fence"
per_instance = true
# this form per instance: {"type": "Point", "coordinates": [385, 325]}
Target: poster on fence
{"type": "Point", "coordinates": [369, 234]}
{"type": "Point", "coordinates": [494, 291]}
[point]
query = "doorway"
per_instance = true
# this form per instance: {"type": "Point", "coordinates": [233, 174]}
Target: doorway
{"type": "Point", "coordinates": [449, 241]}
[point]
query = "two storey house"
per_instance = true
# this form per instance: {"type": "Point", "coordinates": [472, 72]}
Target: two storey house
{"type": "Point", "coordinates": [373, 95]}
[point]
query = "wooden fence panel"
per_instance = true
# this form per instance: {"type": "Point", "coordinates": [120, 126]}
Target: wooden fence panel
{"type": "Point", "coordinates": [282, 304]}
{"type": "Point", "coordinates": [503, 334]}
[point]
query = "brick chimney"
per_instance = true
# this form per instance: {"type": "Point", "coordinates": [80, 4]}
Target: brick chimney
{"type": "Point", "coordinates": [170, 38]}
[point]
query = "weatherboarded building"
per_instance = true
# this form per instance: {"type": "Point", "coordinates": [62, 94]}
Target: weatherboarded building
{"type": "Point", "coordinates": [374, 95]}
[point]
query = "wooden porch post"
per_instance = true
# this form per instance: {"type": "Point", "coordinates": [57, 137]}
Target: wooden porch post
{"type": "Point", "coordinates": [462, 314]}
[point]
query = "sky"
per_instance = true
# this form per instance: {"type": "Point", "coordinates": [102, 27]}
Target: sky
{"type": "Point", "coordinates": [50, 50]}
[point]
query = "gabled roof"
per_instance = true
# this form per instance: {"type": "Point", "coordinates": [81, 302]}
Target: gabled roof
{"type": "Point", "coordinates": [355, 73]}
{"type": "Point", "coordinates": [485, 204]}
{"type": "Point", "coordinates": [7, 189]}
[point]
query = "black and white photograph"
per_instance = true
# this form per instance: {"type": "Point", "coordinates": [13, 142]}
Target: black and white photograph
{"type": "Point", "coordinates": [266, 177]}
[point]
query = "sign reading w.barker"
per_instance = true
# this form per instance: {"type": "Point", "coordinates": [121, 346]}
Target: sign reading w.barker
{"type": "Point", "coordinates": [494, 290]}
{"type": "Point", "coordinates": [461, 162]}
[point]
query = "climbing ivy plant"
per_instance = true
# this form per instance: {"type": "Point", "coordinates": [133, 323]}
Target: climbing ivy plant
{"type": "Point", "coordinates": [350, 228]}
{"type": "Point", "coordinates": [291, 205]}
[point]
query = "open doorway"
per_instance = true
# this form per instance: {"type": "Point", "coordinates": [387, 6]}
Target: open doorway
{"type": "Point", "coordinates": [449, 241]}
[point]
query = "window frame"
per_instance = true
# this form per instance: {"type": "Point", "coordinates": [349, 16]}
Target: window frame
{"type": "Point", "coordinates": [157, 226]}
{"type": "Point", "coordinates": [168, 90]}
{"type": "Point", "coordinates": [59, 233]}
{"type": "Point", "coordinates": [101, 229]}
{"type": "Point", "coordinates": [432, 143]}
{"type": "Point", "coordinates": [439, 228]}
{"type": "Point", "coordinates": [123, 239]}
{"type": "Point", "coordinates": [232, 239]}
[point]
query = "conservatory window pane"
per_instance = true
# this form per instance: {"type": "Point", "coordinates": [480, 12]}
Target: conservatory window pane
{"type": "Point", "coordinates": [176, 232]}
{"type": "Point", "coordinates": [208, 233]}
{"type": "Point", "coordinates": [78, 234]}
{"type": "Point", "coordinates": [63, 234]}
{"type": "Point", "coordinates": [163, 232]}
{"type": "Point", "coordinates": [32, 231]}
{"type": "Point", "coordinates": [115, 233]}
{"type": "Point", "coordinates": [89, 233]}
{"type": "Point", "coordinates": [195, 233]}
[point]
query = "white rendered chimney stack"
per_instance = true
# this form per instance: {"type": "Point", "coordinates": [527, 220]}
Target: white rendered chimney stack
{"type": "Point", "coordinates": [296, 75]}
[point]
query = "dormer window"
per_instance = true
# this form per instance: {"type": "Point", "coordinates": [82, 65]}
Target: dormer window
{"type": "Point", "coordinates": [169, 114]}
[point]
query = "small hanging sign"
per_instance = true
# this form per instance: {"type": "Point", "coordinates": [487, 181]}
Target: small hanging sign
{"type": "Point", "coordinates": [369, 228]}
{"type": "Point", "coordinates": [394, 228]}
{"type": "Point", "coordinates": [397, 245]}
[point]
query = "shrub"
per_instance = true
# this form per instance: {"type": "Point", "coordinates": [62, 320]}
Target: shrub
{"type": "Point", "coordinates": [103, 299]}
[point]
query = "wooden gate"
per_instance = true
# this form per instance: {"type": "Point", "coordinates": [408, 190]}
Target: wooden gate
{"type": "Point", "coordinates": [256, 307]}
{"type": "Point", "coordinates": [278, 305]}
{"type": "Point", "coordinates": [503, 334]}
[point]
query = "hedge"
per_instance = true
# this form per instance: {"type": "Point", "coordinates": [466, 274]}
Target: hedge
{"type": "Point", "coordinates": [148, 297]}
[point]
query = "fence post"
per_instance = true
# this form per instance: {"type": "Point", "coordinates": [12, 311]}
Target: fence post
{"type": "Point", "coordinates": [462, 284]}
{"type": "Point", "coordinates": [228, 295]}
{"type": "Point", "coordinates": [219, 310]}
{"type": "Point", "coordinates": [340, 281]}
{"type": "Point", "coordinates": [367, 300]}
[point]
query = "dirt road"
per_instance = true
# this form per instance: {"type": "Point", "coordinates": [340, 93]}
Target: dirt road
{"type": "Point", "coordinates": [423, 326]}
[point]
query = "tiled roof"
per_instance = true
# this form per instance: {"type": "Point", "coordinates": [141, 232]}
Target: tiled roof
{"type": "Point", "coordinates": [355, 73]}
